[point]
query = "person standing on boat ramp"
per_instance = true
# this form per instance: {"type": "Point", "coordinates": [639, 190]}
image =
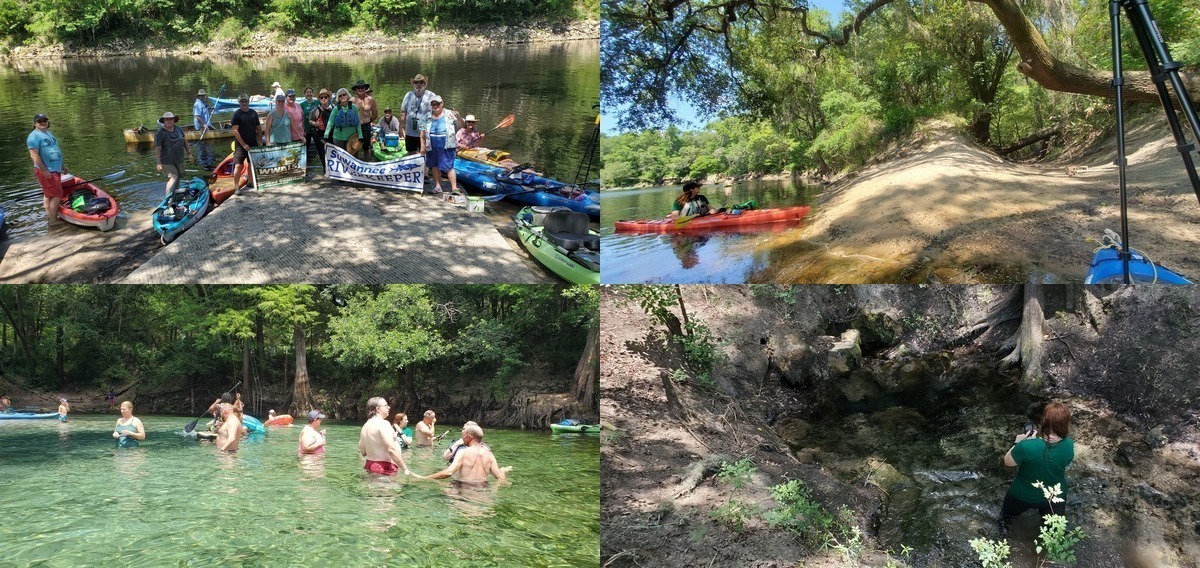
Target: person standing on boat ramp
{"type": "Point", "coordinates": [169, 147]}
{"type": "Point", "coordinates": [279, 123]}
{"type": "Point", "coordinates": [343, 120]}
{"type": "Point", "coordinates": [48, 165]}
{"type": "Point", "coordinates": [368, 112]}
{"type": "Point", "coordinates": [377, 441]}
{"type": "Point", "coordinates": [439, 143]}
{"type": "Point", "coordinates": [296, 114]}
{"type": "Point", "coordinates": [413, 110]}
{"type": "Point", "coordinates": [247, 131]}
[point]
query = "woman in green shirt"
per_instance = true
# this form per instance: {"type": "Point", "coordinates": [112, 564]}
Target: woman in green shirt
{"type": "Point", "coordinates": [1040, 455]}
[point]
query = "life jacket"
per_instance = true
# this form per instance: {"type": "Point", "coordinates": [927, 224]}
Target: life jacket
{"type": "Point", "coordinates": [345, 117]}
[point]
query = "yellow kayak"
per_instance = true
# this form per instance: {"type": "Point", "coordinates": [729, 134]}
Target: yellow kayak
{"type": "Point", "coordinates": [497, 158]}
{"type": "Point", "coordinates": [142, 134]}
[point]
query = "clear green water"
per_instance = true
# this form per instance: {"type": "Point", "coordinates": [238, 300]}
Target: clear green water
{"type": "Point", "coordinates": [68, 497]}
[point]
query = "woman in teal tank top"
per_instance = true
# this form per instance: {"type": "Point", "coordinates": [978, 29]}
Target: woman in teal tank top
{"type": "Point", "coordinates": [1041, 455]}
{"type": "Point", "coordinates": [129, 429]}
{"type": "Point", "coordinates": [279, 123]}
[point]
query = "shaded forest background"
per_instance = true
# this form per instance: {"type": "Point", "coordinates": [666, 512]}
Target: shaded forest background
{"type": "Point", "coordinates": [785, 101]}
{"type": "Point", "coordinates": [516, 356]}
{"type": "Point", "coordinates": [93, 21]}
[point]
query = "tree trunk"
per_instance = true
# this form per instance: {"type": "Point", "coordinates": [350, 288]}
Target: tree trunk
{"type": "Point", "coordinates": [1029, 346]}
{"type": "Point", "coordinates": [1039, 64]}
{"type": "Point", "coordinates": [302, 399]}
{"type": "Point", "coordinates": [59, 355]}
{"type": "Point", "coordinates": [246, 374]}
{"type": "Point", "coordinates": [259, 341]}
{"type": "Point", "coordinates": [587, 373]}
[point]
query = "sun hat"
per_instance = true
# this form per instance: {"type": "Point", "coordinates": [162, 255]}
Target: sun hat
{"type": "Point", "coordinates": [470, 118]}
{"type": "Point", "coordinates": [201, 93]}
{"type": "Point", "coordinates": [276, 84]}
{"type": "Point", "coordinates": [167, 115]}
{"type": "Point", "coordinates": [420, 77]}
{"type": "Point", "coordinates": [360, 84]}
{"type": "Point", "coordinates": [324, 93]}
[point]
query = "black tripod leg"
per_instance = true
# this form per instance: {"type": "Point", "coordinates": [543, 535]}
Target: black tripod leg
{"type": "Point", "coordinates": [1114, 13]}
{"type": "Point", "coordinates": [1162, 68]}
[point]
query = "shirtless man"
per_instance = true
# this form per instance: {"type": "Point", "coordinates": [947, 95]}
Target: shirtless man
{"type": "Point", "coordinates": [377, 441]}
{"type": "Point", "coordinates": [312, 440]}
{"type": "Point", "coordinates": [230, 432]}
{"type": "Point", "coordinates": [64, 408]}
{"type": "Point", "coordinates": [368, 113]}
{"type": "Point", "coordinates": [425, 429]}
{"type": "Point", "coordinates": [474, 462]}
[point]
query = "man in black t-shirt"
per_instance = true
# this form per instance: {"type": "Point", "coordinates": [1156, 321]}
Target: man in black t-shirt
{"type": "Point", "coordinates": [247, 132]}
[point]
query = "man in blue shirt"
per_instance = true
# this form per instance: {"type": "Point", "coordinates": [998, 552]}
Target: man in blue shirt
{"type": "Point", "coordinates": [48, 165]}
{"type": "Point", "coordinates": [202, 115]}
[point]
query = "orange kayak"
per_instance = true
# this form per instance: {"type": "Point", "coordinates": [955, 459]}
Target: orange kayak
{"type": "Point", "coordinates": [103, 220]}
{"type": "Point", "coordinates": [745, 221]}
{"type": "Point", "coordinates": [221, 182]}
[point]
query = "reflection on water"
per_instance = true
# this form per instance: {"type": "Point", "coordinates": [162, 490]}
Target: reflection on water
{"type": "Point", "coordinates": [727, 257]}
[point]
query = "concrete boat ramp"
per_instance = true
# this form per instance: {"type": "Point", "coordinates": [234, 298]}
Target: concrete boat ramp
{"type": "Point", "coordinates": [319, 232]}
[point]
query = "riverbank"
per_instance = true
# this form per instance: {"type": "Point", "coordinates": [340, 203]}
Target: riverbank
{"type": "Point", "coordinates": [259, 43]}
{"type": "Point", "coordinates": [804, 177]}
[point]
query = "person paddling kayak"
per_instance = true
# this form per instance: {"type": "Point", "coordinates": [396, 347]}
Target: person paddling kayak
{"type": "Point", "coordinates": [690, 203]}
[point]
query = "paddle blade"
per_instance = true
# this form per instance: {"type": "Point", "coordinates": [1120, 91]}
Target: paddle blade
{"type": "Point", "coordinates": [114, 175]}
{"type": "Point", "coordinates": [684, 219]}
{"type": "Point", "coordinates": [508, 120]}
{"type": "Point", "coordinates": [191, 426]}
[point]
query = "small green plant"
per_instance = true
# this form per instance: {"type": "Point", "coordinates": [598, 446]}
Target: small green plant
{"type": "Point", "coordinates": [700, 351]}
{"type": "Point", "coordinates": [852, 549]}
{"type": "Point", "coordinates": [732, 514]}
{"type": "Point", "coordinates": [992, 553]}
{"type": "Point", "coordinates": [799, 514]}
{"type": "Point", "coordinates": [610, 436]}
{"type": "Point", "coordinates": [1054, 539]}
{"type": "Point", "coordinates": [737, 473]}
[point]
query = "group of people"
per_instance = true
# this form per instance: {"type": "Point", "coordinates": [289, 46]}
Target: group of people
{"type": "Point", "coordinates": [428, 127]}
{"type": "Point", "coordinates": [380, 443]}
{"type": "Point", "coordinates": [320, 118]}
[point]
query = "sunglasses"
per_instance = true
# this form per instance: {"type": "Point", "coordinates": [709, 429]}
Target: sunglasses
{"type": "Point", "coordinates": [435, 103]}
{"type": "Point", "coordinates": [418, 82]}
{"type": "Point", "coordinates": [44, 121]}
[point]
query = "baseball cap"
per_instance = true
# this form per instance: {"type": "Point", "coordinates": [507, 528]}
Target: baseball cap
{"type": "Point", "coordinates": [243, 97]}
{"type": "Point", "coordinates": [315, 415]}
{"type": "Point", "coordinates": [40, 116]}
{"type": "Point", "coordinates": [290, 92]}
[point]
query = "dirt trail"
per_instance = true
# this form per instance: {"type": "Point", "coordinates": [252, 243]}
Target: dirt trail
{"type": "Point", "coordinates": [945, 209]}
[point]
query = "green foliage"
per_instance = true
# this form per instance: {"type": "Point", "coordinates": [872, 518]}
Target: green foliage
{"type": "Point", "coordinates": [853, 133]}
{"type": "Point", "coordinates": [992, 553]}
{"type": "Point", "coordinates": [700, 350]}
{"type": "Point", "coordinates": [733, 514]}
{"type": "Point", "coordinates": [799, 514]}
{"type": "Point", "coordinates": [737, 473]}
{"type": "Point", "coordinates": [656, 301]}
{"type": "Point", "coordinates": [233, 30]}
{"type": "Point", "coordinates": [1056, 541]}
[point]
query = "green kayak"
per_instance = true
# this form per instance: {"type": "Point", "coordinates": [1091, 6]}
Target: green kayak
{"type": "Point", "coordinates": [577, 429]}
{"type": "Point", "coordinates": [561, 240]}
{"type": "Point", "coordinates": [383, 153]}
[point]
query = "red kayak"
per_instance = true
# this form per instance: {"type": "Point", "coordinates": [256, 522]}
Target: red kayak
{"type": "Point", "coordinates": [751, 220]}
{"type": "Point", "coordinates": [221, 183]}
{"type": "Point", "coordinates": [102, 217]}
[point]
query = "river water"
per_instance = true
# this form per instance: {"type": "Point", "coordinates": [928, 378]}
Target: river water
{"type": "Point", "coordinates": [687, 258]}
{"type": "Point", "coordinates": [70, 498]}
{"type": "Point", "coordinates": [550, 88]}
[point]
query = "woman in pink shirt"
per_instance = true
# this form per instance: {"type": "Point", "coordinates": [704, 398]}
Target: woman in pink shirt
{"type": "Point", "coordinates": [297, 114]}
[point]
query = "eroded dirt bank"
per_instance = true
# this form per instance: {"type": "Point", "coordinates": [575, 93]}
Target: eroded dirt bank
{"type": "Point", "coordinates": [892, 402]}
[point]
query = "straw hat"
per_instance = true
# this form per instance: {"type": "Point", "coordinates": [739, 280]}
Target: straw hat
{"type": "Point", "coordinates": [353, 144]}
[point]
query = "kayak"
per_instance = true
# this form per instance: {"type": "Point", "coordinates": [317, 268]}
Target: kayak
{"type": "Point", "coordinates": [206, 435]}
{"type": "Point", "coordinates": [2, 219]}
{"type": "Point", "coordinates": [1108, 268]}
{"type": "Point", "coordinates": [181, 210]}
{"type": "Point", "coordinates": [577, 429]}
{"type": "Point", "coordinates": [98, 210]}
{"type": "Point", "coordinates": [561, 240]}
{"type": "Point", "coordinates": [142, 134]}
{"type": "Point", "coordinates": [754, 219]}
{"type": "Point", "coordinates": [527, 187]}
{"type": "Point", "coordinates": [494, 158]}
{"type": "Point", "coordinates": [280, 420]}
{"type": "Point", "coordinates": [259, 105]}
{"type": "Point", "coordinates": [383, 153]}
{"type": "Point", "coordinates": [220, 183]}
{"type": "Point", "coordinates": [26, 415]}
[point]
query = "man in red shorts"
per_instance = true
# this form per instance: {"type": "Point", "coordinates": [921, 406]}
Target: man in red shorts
{"type": "Point", "coordinates": [48, 165]}
{"type": "Point", "coordinates": [377, 442]}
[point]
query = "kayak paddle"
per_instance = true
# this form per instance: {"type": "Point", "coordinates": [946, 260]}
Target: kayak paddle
{"type": "Point", "coordinates": [684, 219]}
{"type": "Point", "coordinates": [192, 425]}
{"type": "Point", "coordinates": [508, 120]}
{"type": "Point", "coordinates": [209, 121]}
{"type": "Point", "coordinates": [108, 177]}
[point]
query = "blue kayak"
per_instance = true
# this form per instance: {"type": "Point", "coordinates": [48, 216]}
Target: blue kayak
{"type": "Point", "coordinates": [261, 104]}
{"type": "Point", "coordinates": [181, 210]}
{"type": "Point", "coordinates": [26, 415]}
{"type": "Point", "coordinates": [1, 219]}
{"type": "Point", "coordinates": [527, 188]}
{"type": "Point", "coordinates": [1107, 268]}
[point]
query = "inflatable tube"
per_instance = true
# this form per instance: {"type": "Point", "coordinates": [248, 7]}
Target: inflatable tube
{"type": "Point", "coordinates": [280, 420]}
{"type": "Point", "coordinates": [253, 424]}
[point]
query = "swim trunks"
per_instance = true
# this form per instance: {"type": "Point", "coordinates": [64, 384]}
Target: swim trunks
{"type": "Point", "coordinates": [381, 467]}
